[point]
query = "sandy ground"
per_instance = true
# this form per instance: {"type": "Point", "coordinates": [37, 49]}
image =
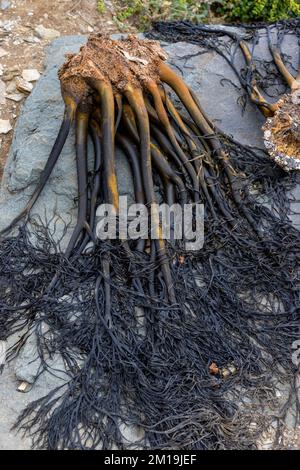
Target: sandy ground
{"type": "Point", "coordinates": [23, 48]}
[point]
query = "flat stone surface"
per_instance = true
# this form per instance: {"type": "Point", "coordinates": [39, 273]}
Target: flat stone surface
{"type": "Point", "coordinates": [36, 130]}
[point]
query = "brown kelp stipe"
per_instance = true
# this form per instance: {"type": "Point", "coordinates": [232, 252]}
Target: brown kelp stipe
{"type": "Point", "coordinates": [179, 349]}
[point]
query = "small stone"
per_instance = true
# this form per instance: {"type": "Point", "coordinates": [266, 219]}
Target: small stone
{"type": "Point", "coordinates": [267, 444]}
{"type": "Point", "coordinates": [10, 74]}
{"type": "Point", "coordinates": [45, 33]}
{"type": "Point", "coordinates": [9, 25]}
{"type": "Point", "coordinates": [3, 52]}
{"type": "Point", "coordinates": [5, 126]}
{"type": "Point", "coordinates": [7, 76]}
{"type": "Point", "coordinates": [23, 86]}
{"type": "Point", "coordinates": [5, 4]}
{"type": "Point", "coordinates": [24, 387]}
{"type": "Point", "coordinates": [31, 40]}
{"type": "Point", "coordinates": [2, 92]}
{"type": "Point", "coordinates": [90, 29]}
{"type": "Point", "coordinates": [225, 372]}
{"type": "Point", "coordinates": [232, 369]}
{"type": "Point", "coordinates": [1, 70]}
{"type": "Point", "coordinates": [31, 75]}
{"type": "Point", "coordinates": [15, 97]}
{"type": "Point", "coordinates": [11, 87]}
{"type": "Point", "coordinates": [253, 425]}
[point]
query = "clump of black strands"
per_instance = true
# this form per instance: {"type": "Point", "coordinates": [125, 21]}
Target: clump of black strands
{"type": "Point", "coordinates": [226, 42]}
{"type": "Point", "coordinates": [162, 348]}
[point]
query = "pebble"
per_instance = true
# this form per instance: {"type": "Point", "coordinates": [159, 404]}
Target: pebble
{"type": "Point", "coordinates": [253, 426]}
{"type": "Point", "coordinates": [15, 96]}
{"type": "Point", "coordinates": [32, 40]}
{"type": "Point", "coordinates": [23, 86]}
{"type": "Point", "coordinates": [45, 33]}
{"type": "Point", "coordinates": [5, 4]}
{"type": "Point", "coordinates": [8, 25]}
{"type": "Point", "coordinates": [31, 75]}
{"type": "Point", "coordinates": [266, 445]}
{"type": "Point", "coordinates": [3, 52]}
{"type": "Point", "coordinates": [2, 92]}
{"type": "Point", "coordinates": [11, 87]}
{"type": "Point", "coordinates": [5, 126]}
{"type": "Point", "coordinates": [24, 387]}
{"type": "Point", "coordinates": [8, 76]}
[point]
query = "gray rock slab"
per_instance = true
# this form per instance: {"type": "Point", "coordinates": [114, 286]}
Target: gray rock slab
{"type": "Point", "coordinates": [34, 135]}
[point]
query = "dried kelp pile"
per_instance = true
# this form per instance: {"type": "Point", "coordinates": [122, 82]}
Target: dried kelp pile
{"type": "Point", "coordinates": [162, 347]}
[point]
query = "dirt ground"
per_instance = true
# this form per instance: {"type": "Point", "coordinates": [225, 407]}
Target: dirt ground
{"type": "Point", "coordinates": [24, 49]}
